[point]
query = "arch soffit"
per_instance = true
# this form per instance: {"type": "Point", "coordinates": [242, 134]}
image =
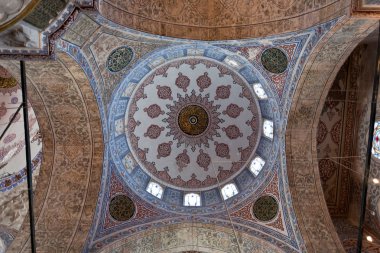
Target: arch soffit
{"type": "Point", "coordinates": [69, 181]}
{"type": "Point", "coordinates": [220, 19]}
{"type": "Point", "coordinates": [319, 73]}
{"type": "Point", "coordinates": [192, 236]}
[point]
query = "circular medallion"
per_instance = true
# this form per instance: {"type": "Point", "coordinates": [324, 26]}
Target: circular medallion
{"type": "Point", "coordinates": [193, 120]}
{"type": "Point", "coordinates": [119, 59]}
{"type": "Point", "coordinates": [265, 208]}
{"type": "Point", "coordinates": [274, 60]}
{"type": "Point", "coordinates": [121, 208]}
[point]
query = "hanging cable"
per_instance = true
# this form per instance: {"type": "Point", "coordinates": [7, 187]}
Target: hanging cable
{"type": "Point", "coordinates": [225, 206]}
{"type": "Point", "coordinates": [28, 156]}
{"type": "Point", "coordinates": [11, 121]}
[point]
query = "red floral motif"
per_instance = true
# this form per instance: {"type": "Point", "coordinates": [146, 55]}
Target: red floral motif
{"type": "Point", "coordinates": [154, 131]}
{"type": "Point", "coordinates": [209, 180]}
{"type": "Point", "coordinates": [9, 138]}
{"type": "Point", "coordinates": [141, 153]}
{"type": "Point", "coordinates": [133, 109]}
{"type": "Point", "coordinates": [289, 50]}
{"type": "Point", "coordinates": [203, 82]}
{"type": "Point", "coordinates": [3, 110]}
{"type": "Point", "coordinates": [182, 160]}
{"type": "Point", "coordinates": [322, 132]}
{"type": "Point", "coordinates": [244, 213]}
{"type": "Point", "coordinates": [233, 110]}
{"type": "Point", "coordinates": [252, 138]}
{"type": "Point", "coordinates": [164, 175]}
{"type": "Point", "coordinates": [253, 123]}
{"type": "Point", "coordinates": [164, 149]}
{"type": "Point", "coordinates": [134, 139]}
{"type": "Point", "coordinates": [232, 132]}
{"type": "Point", "coordinates": [223, 92]}
{"type": "Point", "coordinates": [223, 174]}
{"type": "Point", "coordinates": [154, 111]}
{"type": "Point", "coordinates": [245, 93]}
{"type": "Point", "coordinates": [245, 153]}
{"type": "Point", "coordinates": [132, 123]}
{"type": "Point", "coordinates": [335, 131]}
{"type": "Point", "coordinates": [182, 82]}
{"type": "Point", "coordinates": [203, 160]}
{"type": "Point", "coordinates": [162, 71]}
{"type": "Point", "coordinates": [164, 92]}
{"type": "Point", "coordinates": [193, 182]}
{"type": "Point", "coordinates": [140, 94]}
{"type": "Point", "coordinates": [222, 150]}
{"type": "Point", "coordinates": [326, 169]}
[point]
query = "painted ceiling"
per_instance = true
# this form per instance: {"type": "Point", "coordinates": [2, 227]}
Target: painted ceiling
{"type": "Point", "coordinates": [220, 19]}
{"type": "Point", "coordinates": [12, 151]}
{"type": "Point", "coordinates": [186, 138]}
{"type": "Point", "coordinates": [192, 117]}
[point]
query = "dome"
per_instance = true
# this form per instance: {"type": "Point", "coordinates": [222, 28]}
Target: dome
{"type": "Point", "coordinates": [188, 121]}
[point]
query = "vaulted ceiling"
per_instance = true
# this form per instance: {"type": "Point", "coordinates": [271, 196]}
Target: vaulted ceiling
{"type": "Point", "coordinates": [142, 133]}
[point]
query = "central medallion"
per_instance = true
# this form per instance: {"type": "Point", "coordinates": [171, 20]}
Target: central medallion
{"type": "Point", "coordinates": [193, 120]}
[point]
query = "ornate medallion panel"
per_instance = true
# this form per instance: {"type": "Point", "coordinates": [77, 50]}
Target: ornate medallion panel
{"type": "Point", "coordinates": [185, 130]}
{"type": "Point", "coordinates": [121, 208]}
{"type": "Point", "coordinates": [119, 59]}
{"type": "Point", "coordinates": [265, 208]}
{"type": "Point", "coordinates": [274, 60]}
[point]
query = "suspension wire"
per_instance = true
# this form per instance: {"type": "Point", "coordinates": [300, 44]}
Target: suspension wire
{"type": "Point", "coordinates": [28, 156]}
{"type": "Point", "coordinates": [225, 206]}
{"type": "Point", "coordinates": [10, 122]}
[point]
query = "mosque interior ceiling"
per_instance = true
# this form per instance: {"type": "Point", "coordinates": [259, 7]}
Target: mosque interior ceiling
{"type": "Point", "coordinates": [187, 126]}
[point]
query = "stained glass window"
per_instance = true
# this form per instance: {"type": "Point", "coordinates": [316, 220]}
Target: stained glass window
{"type": "Point", "coordinates": [268, 128]}
{"type": "Point", "coordinates": [229, 190]}
{"type": "Point", "coordinates": [155, 189]}
{"type": "Point", "coordinates": [259, 90]}
{"type": "Point", "coordinates": [192, 199]}
{"type": "Point", "coordinates": [376, 140]}
{"type": "Point", "coordinates": [256, 165]}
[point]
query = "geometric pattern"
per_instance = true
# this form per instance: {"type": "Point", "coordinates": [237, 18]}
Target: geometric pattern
{"type": "Point", "coordinates": [120, 160]}
{"type": "Point", "coordinates": [274, 60]}
{"type": "Point", "coordinates": [119, 59]}
{"type": "Point", "coordinates": [160, 123]}
{"type": "Point", "coordinates": [147, 144]}
{"type": "Point", "coordinates": [265, 208]}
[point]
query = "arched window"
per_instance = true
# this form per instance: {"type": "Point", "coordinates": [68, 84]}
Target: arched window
{"type": "Point", "coordinates": [229, 190]}
{"type": "Point", "coordinates": [192, 199]}
{"type": "Point", "coordinates": [268, 128]}
{"type": "Point", "coordinates": [376, 140]}
{"type": "Point", "coordinates": [256, 165]}
{"type": "Point", "coordinates": [155, 189]}
{"type": "Point", "coordinates": [259, 90]}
